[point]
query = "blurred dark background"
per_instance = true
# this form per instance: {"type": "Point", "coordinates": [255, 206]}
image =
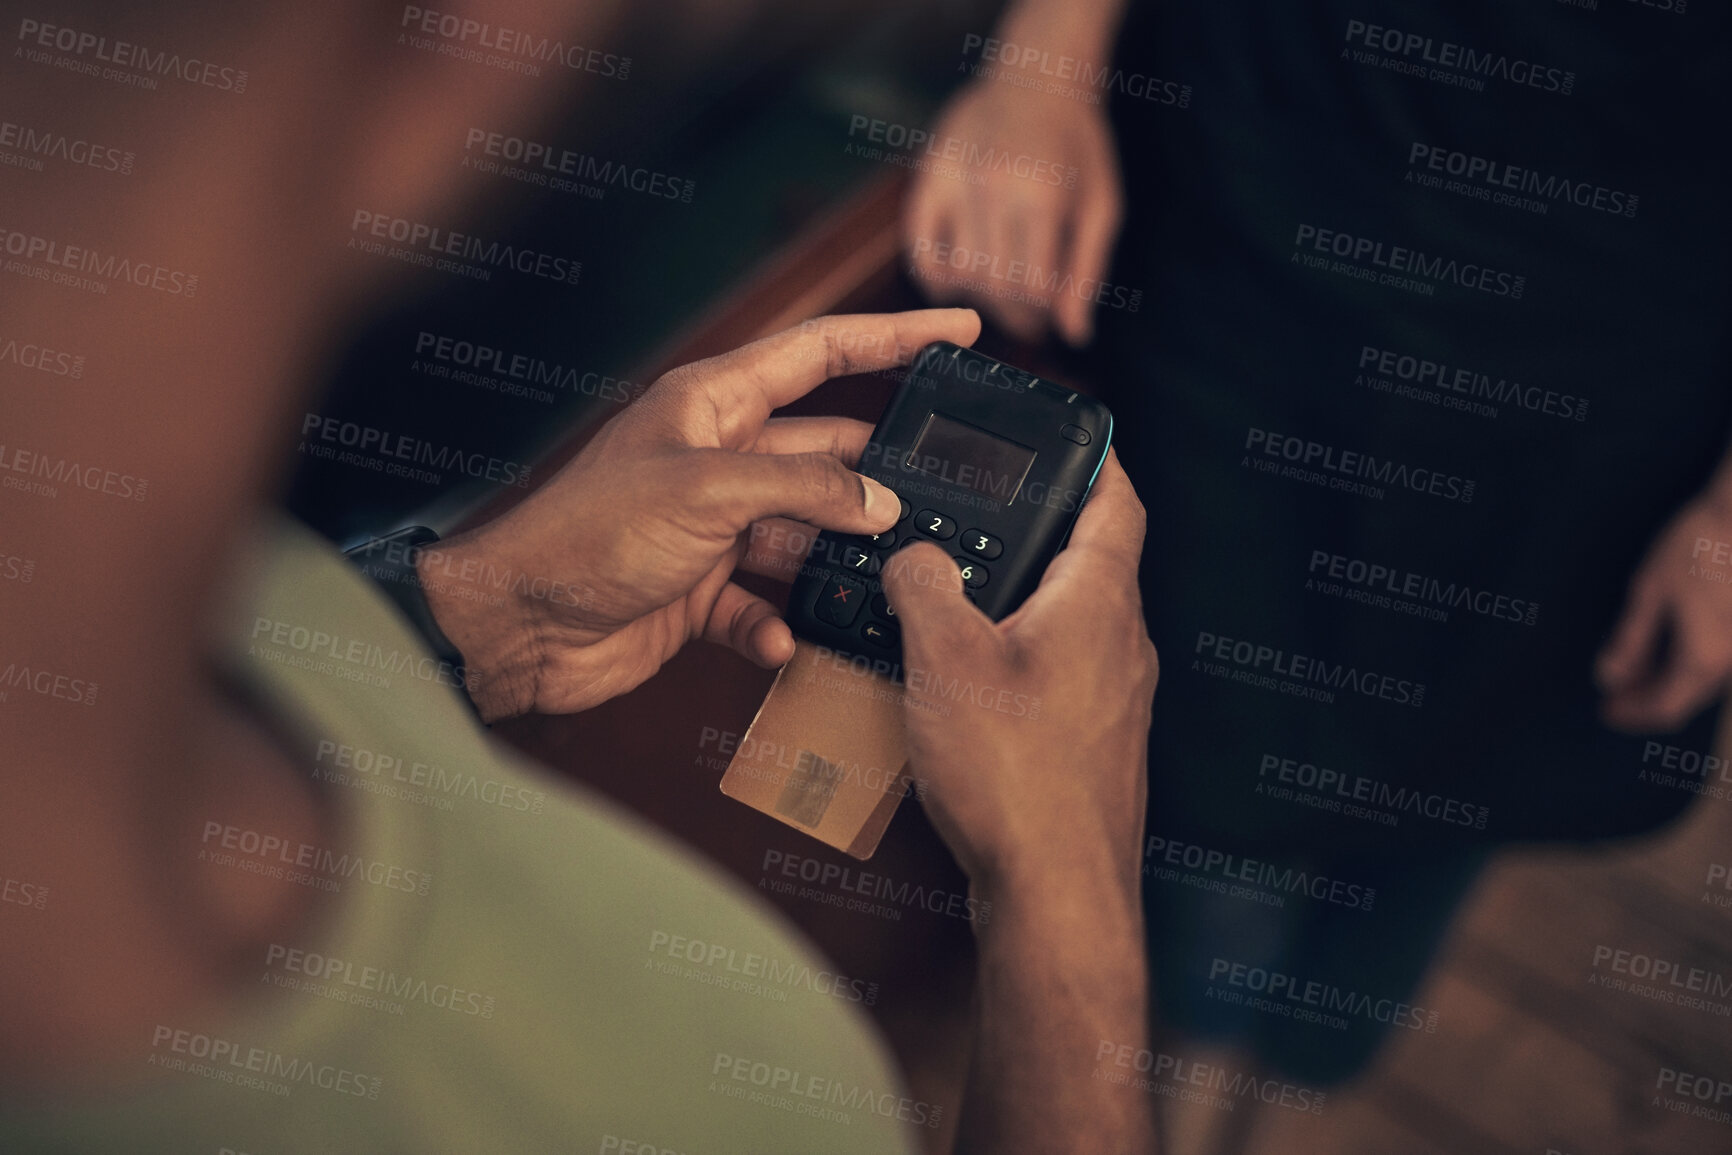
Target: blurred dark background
{"type": "Point", "coordinates": [752, 104]}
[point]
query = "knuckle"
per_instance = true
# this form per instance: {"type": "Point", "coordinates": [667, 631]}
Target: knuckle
{"type": "Point", "coordinates": [683, 379]}
{"type": "Point", "coordinates": [848, 348]}
{"type": "Point", "coordinates": [674, 400]}
{"type": "Point", "coordinates": [827, 478]}
{"type": "Point", "coordinates": [669, 382]}
{"type": "Point", "coordinates": [1123, 619]}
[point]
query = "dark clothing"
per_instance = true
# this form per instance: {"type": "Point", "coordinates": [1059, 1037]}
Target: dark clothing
{"type": "Point", "coordinates": [1607, 375]}
{"type": "Point", "coordinates": [1530, 198]}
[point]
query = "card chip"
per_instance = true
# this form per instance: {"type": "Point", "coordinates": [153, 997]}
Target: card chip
{"type": "Point", "coordinates": [807, 793]}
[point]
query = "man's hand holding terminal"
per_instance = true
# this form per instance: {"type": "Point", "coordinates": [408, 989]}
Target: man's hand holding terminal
{"type": "Point", "coordinates": [1044, 810]}
{"type": "Point", "coordinates": [642, 531]}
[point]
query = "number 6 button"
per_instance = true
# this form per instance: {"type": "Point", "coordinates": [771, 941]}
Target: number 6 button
{"type": "Point", "coordinates": [935, 525]}
{"type": "Point", "coordinates": [973, 573]}
{"type": "Point", "coordinates": [982, 544]}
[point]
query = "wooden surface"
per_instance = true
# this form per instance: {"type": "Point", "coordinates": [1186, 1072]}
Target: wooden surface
{"type": "Point", "coordinates": [1529, 1056]}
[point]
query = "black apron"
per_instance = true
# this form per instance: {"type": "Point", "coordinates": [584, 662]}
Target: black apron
{"type": "Point", "coordinates": [1430, 345]}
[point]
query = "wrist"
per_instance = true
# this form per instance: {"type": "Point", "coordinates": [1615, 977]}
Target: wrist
{"type": "Point", "coordinates": [1055, 29]}
{"type": "Point", "coordinates": [496, 632]}
{"type": "Point", "coordinates": [1073, 926]}
{"type": "Point", "coordinates": [1075, 890]}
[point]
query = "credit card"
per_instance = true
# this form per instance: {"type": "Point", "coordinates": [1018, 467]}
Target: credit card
{"type": "Point", "coordinates": [825, 753]}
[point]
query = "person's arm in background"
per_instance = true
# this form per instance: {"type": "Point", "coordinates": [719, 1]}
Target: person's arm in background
{"type": "Point", "coordinates": [1045, 812]}
{"type": "Point", "coordinates": [1671, 651]}
{"type": "Point", "coordinates": [1045, 221]}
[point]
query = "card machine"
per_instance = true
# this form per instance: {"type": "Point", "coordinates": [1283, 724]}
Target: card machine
{"type": "Point", "coordinates": [991, 462]}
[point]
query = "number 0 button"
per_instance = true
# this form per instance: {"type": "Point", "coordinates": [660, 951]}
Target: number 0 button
{"type": "Point", "coordinates": [935, 525]}
{"type": "Point", "coordinates": [982, 544]}
{"type": "Point", "coordinates": [973, 573]}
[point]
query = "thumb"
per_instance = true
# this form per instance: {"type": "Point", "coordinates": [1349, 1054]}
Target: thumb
{"type": "Point", "coordinates": [938, 623]}
{"type": "Point", "coordinates": [815, 488]}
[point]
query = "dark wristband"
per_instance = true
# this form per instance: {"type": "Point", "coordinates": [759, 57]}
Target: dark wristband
{"type": "Point", "coordinates": [390, 562]}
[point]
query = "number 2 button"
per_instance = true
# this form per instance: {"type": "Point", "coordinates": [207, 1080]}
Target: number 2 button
{"type": "Point", "coordinates": [935, 525]}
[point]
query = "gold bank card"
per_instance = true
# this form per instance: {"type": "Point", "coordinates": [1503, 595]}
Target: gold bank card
{"type": "Point", "coordinates": [825, 753]}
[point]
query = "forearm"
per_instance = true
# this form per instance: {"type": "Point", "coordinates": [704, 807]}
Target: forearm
{"type": "Point", "coordinates": [1063, 969]}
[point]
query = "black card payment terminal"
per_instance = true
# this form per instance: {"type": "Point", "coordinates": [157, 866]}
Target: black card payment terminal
{"type": "Point", "coordinates": [991, 462]}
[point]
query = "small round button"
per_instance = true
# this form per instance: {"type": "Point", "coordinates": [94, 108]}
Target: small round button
{"type": "Point", "coordinates": [1075, 433]}
{"type": "Point", "coordinates": [974, 574]}
{"type": "Point", "coordinates": [982, 544]}
{"type": "Point", "coordinates": [879, 634]}
{"type": "Point", "coordinates": [935, 524]}
{"type": "Point", "coordinates": [858, 560]}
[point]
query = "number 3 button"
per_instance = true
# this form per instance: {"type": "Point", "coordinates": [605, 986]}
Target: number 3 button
{"type": "Point", "coordinates": [982, 544]}
{"type": "Point", "coordinates": [935, 525]}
